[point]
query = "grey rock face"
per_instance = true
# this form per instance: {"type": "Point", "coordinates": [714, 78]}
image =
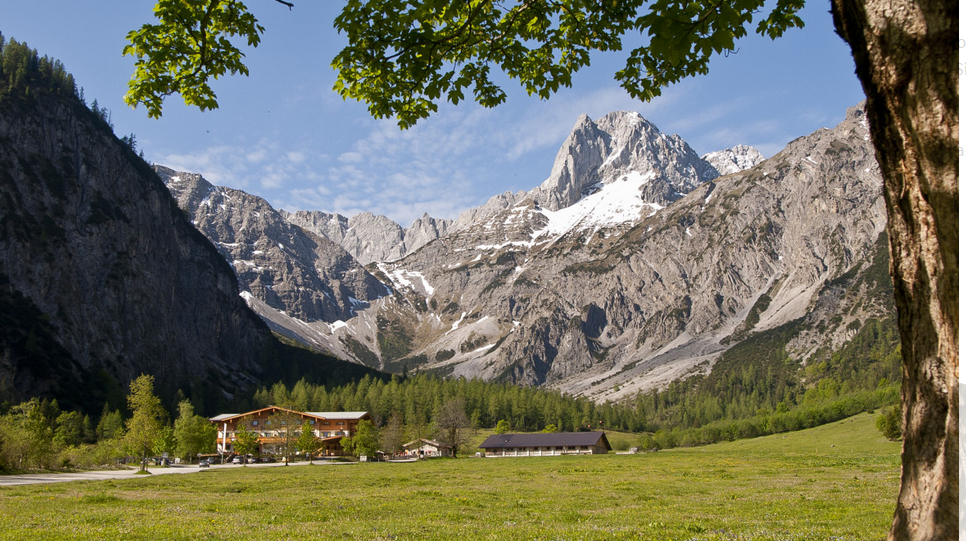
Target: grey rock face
{"type": "Point", "coordinates": [370, 238]}
{"type": "Point", "coordinates": [93, 244]}
{"type": "Point", "coordinates": [734, 159]}
{"type": "Point", "coordinates": [291, 270]}
{"type": "Point", "coordinates": [633, 264]}
{"type": "Point", "coordinates": [637, 304]}
{"type": "Point", "coordinates": [494, 205]}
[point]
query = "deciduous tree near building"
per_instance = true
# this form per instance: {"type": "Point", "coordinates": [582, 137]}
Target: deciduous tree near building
{"type": "Point", "coordinates": [452, 425]}
{"type": "Point", "coordinates": [365, 441]}
{"type": "Point", "coordinates": [193, 434]}
{"type": "Point", "coordinates": [246, 443]}
{"type": "Point", "coordinates": [392, 435]}
{"type": "Point", "coordinates": [285, 428]}
{"type": "Point", "coordinates": [307, 443]}
{"type": "Point", "coordinates": [147, 419]}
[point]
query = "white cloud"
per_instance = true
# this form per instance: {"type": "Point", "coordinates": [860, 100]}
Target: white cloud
{"type": "Point", "coordinates": [402, 174]}
{"type": "Point", "coordinates": [350, 157]}
{"type": "Point", "coordinates": [259, 167]}
{"type": "Point", "coordinates": [257, 155]}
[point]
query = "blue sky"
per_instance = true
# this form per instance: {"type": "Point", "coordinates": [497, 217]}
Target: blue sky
{"type": "Point", "coordinates": [283, 134]}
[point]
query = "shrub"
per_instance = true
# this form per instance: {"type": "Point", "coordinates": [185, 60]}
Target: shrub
{"type": "Point", "coordinates": [888, 423]}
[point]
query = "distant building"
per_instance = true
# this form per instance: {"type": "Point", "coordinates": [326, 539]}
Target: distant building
{"type": "Point", "coordinates": [328, 426]}
{"type": "Point", "coordinates": [546, 444]}
{"type": "Point", "coordinates": [424, 448]}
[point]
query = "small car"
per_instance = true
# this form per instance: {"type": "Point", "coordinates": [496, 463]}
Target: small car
{"type": "Point", "coordinates": [236, 460]}
{"type": "Point", "coordinates": [204, 463]}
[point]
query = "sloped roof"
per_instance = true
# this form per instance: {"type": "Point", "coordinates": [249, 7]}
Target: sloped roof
{"type": "Point", "coordinates": [553, 439]}
{"type": "Point", "coordinates": [422, 441]}
{"type": "Point", "coordinates": [326, 415]}
{"type": "Point", "coordinates": [353, 415]}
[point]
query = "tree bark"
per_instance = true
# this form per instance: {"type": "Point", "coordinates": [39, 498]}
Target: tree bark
{"type": "Point", "coordinates": [906, 58]}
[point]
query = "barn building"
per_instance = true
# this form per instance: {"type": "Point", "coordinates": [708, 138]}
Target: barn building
{"type": "Point", "coordinates": [546, 444]}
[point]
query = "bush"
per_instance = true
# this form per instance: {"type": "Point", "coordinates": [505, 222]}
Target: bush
{"type": "Point", "coordinates": [888, 423]}
{"type": "Point", "coordinates": [102, 454]}
{"type": "Point", "coordinates": [646, 443]}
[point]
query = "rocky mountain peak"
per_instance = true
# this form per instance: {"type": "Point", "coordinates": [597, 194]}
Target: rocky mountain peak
{"type": "Point", "coordinates": [613, 147]}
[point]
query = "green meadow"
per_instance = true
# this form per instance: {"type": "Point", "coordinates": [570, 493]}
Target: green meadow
{"type": "Point", "coordinates": [838, 481]}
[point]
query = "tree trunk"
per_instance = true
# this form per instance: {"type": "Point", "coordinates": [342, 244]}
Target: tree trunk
{"type": "Point", "coordinates": [906, 58]}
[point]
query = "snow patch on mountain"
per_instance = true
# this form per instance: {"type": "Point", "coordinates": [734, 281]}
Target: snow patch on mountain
{"type": "Point", "coordinates": [404, 278]}
{"type": "Point", "coordinates": [615, 203]}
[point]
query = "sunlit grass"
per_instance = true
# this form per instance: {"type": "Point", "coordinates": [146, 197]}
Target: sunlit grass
{"type": "Point", "coordinates": [837, 481]}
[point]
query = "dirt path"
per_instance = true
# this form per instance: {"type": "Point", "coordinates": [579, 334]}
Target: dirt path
{"type": "Point", "coordinates": [54, 477]}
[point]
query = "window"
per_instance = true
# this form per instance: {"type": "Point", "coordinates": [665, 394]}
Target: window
{"type": "Point", "coordinates": [326, 423]}
{"type": "Point", "coordinates": [341, 423]}
{"type": "Point", "coordinates": [254, 423]}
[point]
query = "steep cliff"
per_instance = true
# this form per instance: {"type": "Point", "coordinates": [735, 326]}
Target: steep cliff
{"type": "Point", "coordinates": [103, 276]}
{"type": "Point", "coordinates": [307, 276]}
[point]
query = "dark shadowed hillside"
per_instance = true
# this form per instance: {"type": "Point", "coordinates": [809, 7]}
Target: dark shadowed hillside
{"type": "Point", "coordinates": [102, 276]}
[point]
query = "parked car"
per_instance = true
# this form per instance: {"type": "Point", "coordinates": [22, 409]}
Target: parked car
{"type": "Point", "coordinates": [236, 460]}
{"type": "Point", "coordinates": [204, 463]}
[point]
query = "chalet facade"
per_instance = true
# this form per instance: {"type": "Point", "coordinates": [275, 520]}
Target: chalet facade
{"type": "Point", "coordinates": [549, 444]}
{"type": "Point", "coordinates": [274, 425]}
{"type": "Point", "coordinates": [424, 448]}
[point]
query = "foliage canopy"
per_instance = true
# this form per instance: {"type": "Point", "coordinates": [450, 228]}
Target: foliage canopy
{"type": "Point", "coordinates": [404, 57]}
{"type": "Point", "coordinates": [189, 45]}
{"type": "Point", "coordinates": [147, 418]}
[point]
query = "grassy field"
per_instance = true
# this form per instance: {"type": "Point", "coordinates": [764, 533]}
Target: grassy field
{"type": "Point", "coordinates": [834, 482]}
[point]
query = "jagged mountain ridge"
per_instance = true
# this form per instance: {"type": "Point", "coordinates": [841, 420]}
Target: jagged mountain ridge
{"type": "Point", "coordinates": [629, 305]}
{"type": "Point", "coordinates": [734, 159]}
{"type": "Point", "coordinates": [612, 151]}
{"type": "Point", "coordinates": [632, 264]}
{"type": "Point", "coordinates": [370, 238]}
{"type": "Point", "coordinates": [289, 269]}
{"type": "Point", "coordinates": [595, 152]}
